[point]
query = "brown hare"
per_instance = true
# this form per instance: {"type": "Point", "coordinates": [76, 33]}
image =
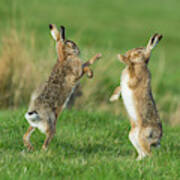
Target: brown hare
{"type": "Point", "coordinates": [48, 101]}
{"type": "Point", "coordinates": [135, 88]}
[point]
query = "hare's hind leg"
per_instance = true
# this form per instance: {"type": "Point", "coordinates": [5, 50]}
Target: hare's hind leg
{"type": "Point", "coordinates": [49, 135]}
{"type": "Point", "coordinates": [51, 127]}
{"type": "Point", "coordinates": [133, 137]}
{"type": "Point", "coordinates": [145, 147]}
{"type": "Point", "coordinates": [26, 138]}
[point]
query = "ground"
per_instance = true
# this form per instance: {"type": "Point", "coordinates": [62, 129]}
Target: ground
{"type": "Point", "coordinates": [86, 146]}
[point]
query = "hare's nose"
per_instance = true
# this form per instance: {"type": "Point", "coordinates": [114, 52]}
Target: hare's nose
{"type": "Point", "coordinates": [50, 26]}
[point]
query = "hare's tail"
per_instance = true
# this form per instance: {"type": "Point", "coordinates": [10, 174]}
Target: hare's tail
{"type": "Point", "coordinates": [32, 116]}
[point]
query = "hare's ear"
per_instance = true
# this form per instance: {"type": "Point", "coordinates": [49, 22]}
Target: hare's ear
{"type": "Point", "coordinates": [58, 37]}
{"type": "Point", "coordinates": [62, 33]}
{"type": "Point", "coordinates": [153, 42]}
{"type": "Point", "coordinates": [123, 59]}
{"type": "Point", "coordinates": [54, 32]}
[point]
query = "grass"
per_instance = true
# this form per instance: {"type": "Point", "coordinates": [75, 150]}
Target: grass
{"type": "Point", "coordinates": [91, 141]}
{"type": "Point", "coordinates": [86, 146]}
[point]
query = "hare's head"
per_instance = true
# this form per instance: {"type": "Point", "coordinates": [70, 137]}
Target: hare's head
{"type": "Point", "coordinates": [68, 46]}
{"type": "Point", "coordinates": [71, 48]}
{"type": "Point", "coordinates": [140, 55]}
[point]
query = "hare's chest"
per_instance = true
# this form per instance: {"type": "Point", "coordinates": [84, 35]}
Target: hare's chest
{"type": "Point", "coordinates": [74, 68]}
{"type": "Point", "coordinates": [127, 96]}
{"type": "Point", "coordinates": [68, 97]}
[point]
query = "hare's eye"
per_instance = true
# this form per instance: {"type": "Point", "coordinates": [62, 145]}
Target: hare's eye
{"type": "Point", "coordinates": [69, 44]}
{"type": "Point", "coordinates": [136, 54]}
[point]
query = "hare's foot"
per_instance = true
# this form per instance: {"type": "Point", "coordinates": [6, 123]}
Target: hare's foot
{"type": "Point", "coordinates": [26, 138]}
{"type": "Point", "coordinates": [145, 149]}
{"type": "Point", "coordinates": [49, 136]}
{"type": "Point", "coordinates": [141, 156]}
{"type": "Point", "coordinates": [44, 147]}
{"type": "Point", "coordinates": [30, 147]}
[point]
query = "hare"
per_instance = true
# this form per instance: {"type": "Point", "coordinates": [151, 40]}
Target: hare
{"type": "Point", "coordinates": [48, 101]}
{"type": "Point", "coordinates": [135, 88]}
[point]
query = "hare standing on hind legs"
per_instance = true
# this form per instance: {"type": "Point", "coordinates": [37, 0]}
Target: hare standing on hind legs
{"type": "Point", "coordinates": [146, 128]}
{"type": "Point", "coordinates": [48, 101]}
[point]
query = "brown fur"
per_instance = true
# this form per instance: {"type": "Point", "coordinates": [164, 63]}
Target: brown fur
{"type": "Point", "coordinates": [49, 100]}
{"type": "Point", "coordinates": [147, 127]}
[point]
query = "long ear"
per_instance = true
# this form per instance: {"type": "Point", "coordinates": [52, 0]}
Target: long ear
{"type": "Point", "coordinates": [123, 59]}
{"type": "Point", "coordinates": [153, 42]}
{"type": "Point", "coordinates": [62, 33]}
{"type": "Point", "coordinates": [54, 32]}
{"type": "Point", "coordinates": [57, 36]}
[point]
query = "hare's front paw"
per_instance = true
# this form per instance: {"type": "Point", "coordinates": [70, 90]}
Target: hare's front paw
{"type": "Point", "coordinates": [98, 56]}
{"type": "Point", "coordinates": [121, 57]}
{"type": "Point", "coordinates": [114, 97]}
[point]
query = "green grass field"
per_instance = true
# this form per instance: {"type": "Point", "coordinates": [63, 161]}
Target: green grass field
{"type": "Point", "coordinates": [91, 140]}
{"type": "Point", "coordinates": [86, 146]}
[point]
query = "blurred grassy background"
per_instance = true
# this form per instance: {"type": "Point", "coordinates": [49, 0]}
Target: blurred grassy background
{"type": "Point", "coordinates": [27, 52]}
